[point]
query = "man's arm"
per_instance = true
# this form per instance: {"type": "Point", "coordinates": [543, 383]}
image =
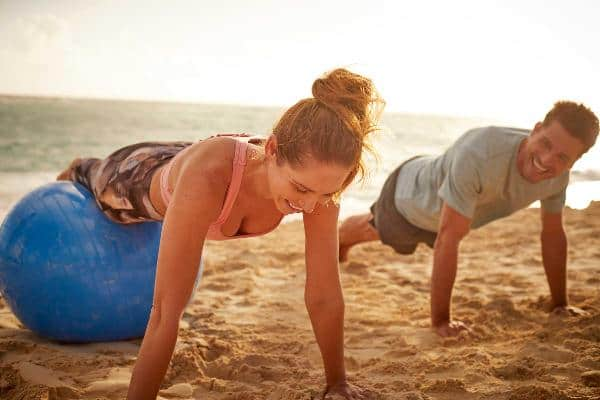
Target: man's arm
{"type": "Point", "coordinates": [554, 256]}
{"type": "Point", "coordinates": [452, 229]}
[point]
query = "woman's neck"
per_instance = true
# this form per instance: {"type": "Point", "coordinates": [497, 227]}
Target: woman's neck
{"type": "Point", "coordinates": [255, 174]}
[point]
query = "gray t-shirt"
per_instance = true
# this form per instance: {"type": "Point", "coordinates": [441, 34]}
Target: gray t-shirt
{"type": "Point", "coordinates": [478, 177]}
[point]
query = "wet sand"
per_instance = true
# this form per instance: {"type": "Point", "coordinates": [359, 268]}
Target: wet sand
{"type": "Point", "coordinates": [247, 334]}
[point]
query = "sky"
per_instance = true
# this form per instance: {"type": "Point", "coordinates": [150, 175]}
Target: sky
{"type": "Point", "coordinates": [503, 59]}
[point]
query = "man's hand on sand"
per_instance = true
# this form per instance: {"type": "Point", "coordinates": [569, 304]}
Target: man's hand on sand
{"type": "Point", "coordinates": [569, 311]}
{"type": "Point", "coordinates": [452, 328]}
{"type": "Point", "coordinates": [345, 390]}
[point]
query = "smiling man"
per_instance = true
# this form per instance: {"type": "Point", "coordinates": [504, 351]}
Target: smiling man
{"type": "Point", "coordinates": [487, 174]}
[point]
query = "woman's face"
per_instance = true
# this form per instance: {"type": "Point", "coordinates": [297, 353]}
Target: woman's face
{"type": "Point", "coordinates": [300, 188]}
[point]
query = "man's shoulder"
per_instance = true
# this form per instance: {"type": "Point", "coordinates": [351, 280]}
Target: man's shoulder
{"type": "Point", "coordinates": [489, 142]}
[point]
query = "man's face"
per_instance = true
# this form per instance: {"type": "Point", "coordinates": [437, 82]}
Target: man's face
{"type": "Point", "coordinates": [548, 152]}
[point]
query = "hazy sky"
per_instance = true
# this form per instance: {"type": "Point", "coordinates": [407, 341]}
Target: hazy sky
{"type": "Point", "coordinates": [507, 59]}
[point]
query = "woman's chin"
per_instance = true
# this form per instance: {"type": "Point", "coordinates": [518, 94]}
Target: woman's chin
{"type": "Point", "coordinates": [282, 207]}
{"type": "Point", "coordinates": [285, 207]}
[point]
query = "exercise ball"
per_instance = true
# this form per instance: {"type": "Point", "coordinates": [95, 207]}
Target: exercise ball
{"type": "Point", "coordinates": [70, 274]}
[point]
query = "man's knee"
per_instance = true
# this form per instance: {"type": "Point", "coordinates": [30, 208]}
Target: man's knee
{"type": "Point", "coordinates": [400, 248]}
{"type": "Point", "coordinates": [405, 250]}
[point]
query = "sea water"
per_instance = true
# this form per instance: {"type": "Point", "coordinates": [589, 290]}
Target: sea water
{"type": "Point", "coordinates": [40, 136]}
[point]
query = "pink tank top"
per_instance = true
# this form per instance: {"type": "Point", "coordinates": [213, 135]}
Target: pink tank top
{"type": "Point", "coordinates": [239, 164]}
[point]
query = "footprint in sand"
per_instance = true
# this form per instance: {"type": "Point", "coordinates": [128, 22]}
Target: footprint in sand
{"type": "Point", "coordinates": [535, 392]}
{"type": "Point", "coordinates": [180, 390]}
{"type": "Point", "coordinates": [547, 352]}
{"type": "Point", "coordinates": [591, 378]}
{"type": "Point", "coordinates": [519, 370]}
{"type": "Point", "coordinates": [116, 381]}
{"type": "Point", "coordinates": [357, 268]}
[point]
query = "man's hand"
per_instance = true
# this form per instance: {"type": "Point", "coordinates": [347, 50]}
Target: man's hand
{"type": "Point", "coordinates": [453, 228]}
{"type": "Point", "coordinates": [554, 256]}
{"type": "Point", "coordinates": [452, 328]}
{"type": "Point", "coordinates": [569, 311]}
{"type": "Point", "coordinates": [345, 390]}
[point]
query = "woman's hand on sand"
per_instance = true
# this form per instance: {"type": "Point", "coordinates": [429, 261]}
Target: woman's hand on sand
{"type": "Point", "coordinates": [345, 390]}
{"type": "Point", "coordinates": [569, 311]}
{"type": "Point", "coordinates": [452, 328]}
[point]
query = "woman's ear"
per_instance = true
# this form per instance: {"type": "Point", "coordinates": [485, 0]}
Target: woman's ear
{"type": "Point", "coordinates": [271, 147]}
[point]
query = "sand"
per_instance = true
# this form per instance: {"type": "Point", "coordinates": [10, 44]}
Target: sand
{"type": "Point", "coordinates": [247, 334]}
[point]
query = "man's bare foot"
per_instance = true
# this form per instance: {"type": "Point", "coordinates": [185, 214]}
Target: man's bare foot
{"type": "Point", "coordinates": [354, 230]}
{"type": "Point", "coordinates": [452, 328]}
{"type": "Point", "coordinates": [66, 174]}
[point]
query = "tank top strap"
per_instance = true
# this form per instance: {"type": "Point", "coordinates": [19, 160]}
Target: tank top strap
{"type": "Point", "coordinates": [239, 164]}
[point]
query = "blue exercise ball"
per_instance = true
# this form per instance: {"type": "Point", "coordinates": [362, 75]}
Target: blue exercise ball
{"type": "Point", "coordinates": [70, 274]}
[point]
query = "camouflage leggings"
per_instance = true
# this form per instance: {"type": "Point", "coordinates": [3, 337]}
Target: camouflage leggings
{"type": "Point", "coordinates": [121, 182]}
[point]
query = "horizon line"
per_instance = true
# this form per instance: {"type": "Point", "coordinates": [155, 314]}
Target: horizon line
{"type": "Point", "coordinates": [232, 104]}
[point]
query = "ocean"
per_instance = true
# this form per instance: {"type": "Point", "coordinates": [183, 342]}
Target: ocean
{"type": "Point", "coordinates": [40, 136]}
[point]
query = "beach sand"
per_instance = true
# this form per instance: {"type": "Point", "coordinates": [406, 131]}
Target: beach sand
{"type": "Point", "coordinates": [247, 334]}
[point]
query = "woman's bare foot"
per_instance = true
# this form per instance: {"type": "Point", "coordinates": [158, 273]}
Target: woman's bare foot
{"type": "Point", "coordinates": [66, 174]}
{"type": "Point", "coordinates": [355, 230]}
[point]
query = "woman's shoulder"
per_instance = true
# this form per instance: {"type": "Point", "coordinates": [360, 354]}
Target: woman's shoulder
{"type": "Point", "coordinates": [211, 159]}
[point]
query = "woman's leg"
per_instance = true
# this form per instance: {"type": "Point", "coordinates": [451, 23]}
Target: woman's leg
{"type": "Point", "coordinates": [67, 174]}
{"type": "Point", "coordinates": [120, 183]}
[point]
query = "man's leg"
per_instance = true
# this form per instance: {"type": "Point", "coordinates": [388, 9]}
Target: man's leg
{"type": "Point", "coordinates": [383, 223]}
{"type": "Point", "coordinates": [354, 230]}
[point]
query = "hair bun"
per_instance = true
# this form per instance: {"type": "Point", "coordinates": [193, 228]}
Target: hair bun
{"type": "Point", "coordinates": [351, 96]}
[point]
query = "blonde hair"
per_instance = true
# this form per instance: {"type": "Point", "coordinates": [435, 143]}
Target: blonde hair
{"type": "Point", "coordinates": [333, 125]}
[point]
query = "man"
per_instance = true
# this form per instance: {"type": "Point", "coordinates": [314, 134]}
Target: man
{"type": "Point", "coordinates": [487, 174]}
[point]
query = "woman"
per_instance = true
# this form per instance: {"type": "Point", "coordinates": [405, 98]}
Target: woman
{"type": "Point", "coordinates": [231, 186]}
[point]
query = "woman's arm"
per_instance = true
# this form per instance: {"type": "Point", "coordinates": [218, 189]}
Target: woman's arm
{"type": "Point", "coordinates": [197, 201]}
{"type": "Point", "coordinates": [323, 292]}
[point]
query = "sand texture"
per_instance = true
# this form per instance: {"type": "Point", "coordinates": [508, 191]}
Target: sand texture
{"type": "Point", "coordinates": [247, 334]}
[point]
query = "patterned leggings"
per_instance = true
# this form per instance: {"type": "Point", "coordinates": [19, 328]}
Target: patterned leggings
{"type": "Point", "coordinates": [121, 182]}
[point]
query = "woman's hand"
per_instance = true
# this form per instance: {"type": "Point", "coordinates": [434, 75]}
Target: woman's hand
{"type": "Point", "coordinates": [569, 311]}
{"type": "Point", "coordinates": [452, 328]}
{"type": "Point", "coordinates": [345, 390]}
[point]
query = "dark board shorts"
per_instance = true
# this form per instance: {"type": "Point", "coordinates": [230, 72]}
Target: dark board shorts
{"type": "Point", "coordinates": [394, 230]}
